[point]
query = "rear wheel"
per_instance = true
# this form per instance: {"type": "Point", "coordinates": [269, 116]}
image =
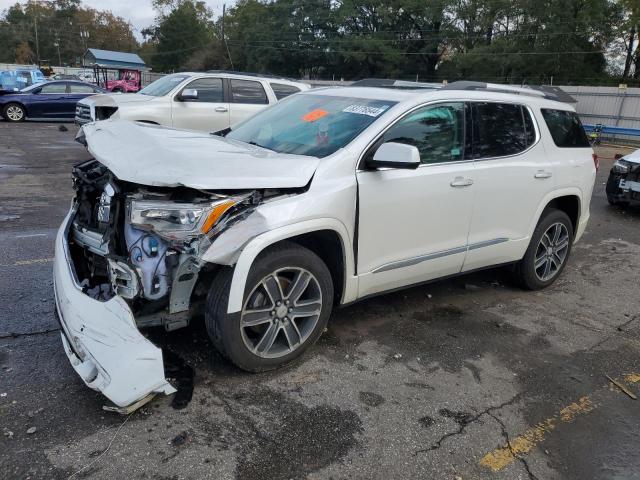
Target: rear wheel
{"type": "Point", "coordinates": [286, 306]}
{"type": "Point", "coordinates": [548, 251]}
{"type": "Point", "coordinates": [14, 112]}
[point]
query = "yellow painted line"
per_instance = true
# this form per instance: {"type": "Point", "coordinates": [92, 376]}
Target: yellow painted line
{"type": "Point", "coordinates": [527, 441]}
{"type": "Point", "coordinates": [632, 377]}
{"type": "Point", "coordinates": [524, 443]}
{"type": "Point", "coordinates": [35, 261]}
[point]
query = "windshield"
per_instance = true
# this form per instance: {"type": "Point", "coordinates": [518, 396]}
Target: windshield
{"type": "Point", "coordinates": [163, 85]}
{"type": "Point", "coordinates": [314, 125]}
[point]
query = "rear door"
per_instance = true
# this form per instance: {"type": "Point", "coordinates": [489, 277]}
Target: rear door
{"type": "Point", "coordinates": [246, 98]}
{"type": "Point", "coordinates": [76, 92]}
{"type": "Point", "coordinates": [513, 175]}
{"type": "Point", "coordinates": [209, 112]}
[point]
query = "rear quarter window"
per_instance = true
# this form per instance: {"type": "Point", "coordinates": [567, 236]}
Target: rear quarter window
{"type": "Point", "coordinates": [566, 128]}
{"type": "Point", "coordinates": [281, 90]}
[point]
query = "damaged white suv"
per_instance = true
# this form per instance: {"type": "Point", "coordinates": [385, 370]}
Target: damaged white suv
{"type": "Point", "coordinates": [328, 197]}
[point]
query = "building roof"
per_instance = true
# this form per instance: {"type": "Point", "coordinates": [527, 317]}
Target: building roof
{"type": "Point", "coordinates": [109, 58]}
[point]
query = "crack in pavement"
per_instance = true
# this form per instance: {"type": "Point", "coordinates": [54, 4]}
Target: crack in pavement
{"type": "Point", "coordinates": [505, 435]}
{"type": "Point", "coordinates": [28, 334]}
{"type": "Point", "coordinates": [464, 425]}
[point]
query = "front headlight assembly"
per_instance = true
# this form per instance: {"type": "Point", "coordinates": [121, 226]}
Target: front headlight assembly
{"type": "Point", "coordinates": [178, 221]}
{"type": "Point", "coordinates": [621, 166]}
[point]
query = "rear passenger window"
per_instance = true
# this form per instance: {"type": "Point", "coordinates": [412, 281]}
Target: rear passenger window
{"type": "Point", "coordinates": [246, 91]}
{"type": "Point", "coordinates": [79, 88]}
{"type": "Point", "coordinates": [281, 90]}
{"type": "Point", "coordinates": [566, 129]}
{"type": "Point", "coordinates": [499, 130]}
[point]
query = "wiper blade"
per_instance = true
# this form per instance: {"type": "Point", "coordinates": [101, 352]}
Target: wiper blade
{"type": "Point", "coordinates": [258, 145]}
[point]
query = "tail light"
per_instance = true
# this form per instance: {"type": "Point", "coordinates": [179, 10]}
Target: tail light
{"type": "Point", "coordinates": [596, 161]}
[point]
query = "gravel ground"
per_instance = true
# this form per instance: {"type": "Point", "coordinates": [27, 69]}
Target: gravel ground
{"type": "Point", "coordinates": [470, 378]}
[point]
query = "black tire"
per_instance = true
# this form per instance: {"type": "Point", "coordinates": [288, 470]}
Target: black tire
{"type": "Point", "coordinates": [525, 271]}
{"type": "Point", "coordinates": [9, 112]}
{"type": "Point", "coordinates": [225, 329]}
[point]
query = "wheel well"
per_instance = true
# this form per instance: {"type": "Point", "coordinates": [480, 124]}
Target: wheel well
{"type": "Point", "coordinates": [569, 204]}
{"type": "Point", "coordinates": [328, 246]}
{"type": "Point", "coordinates": [15, 103]}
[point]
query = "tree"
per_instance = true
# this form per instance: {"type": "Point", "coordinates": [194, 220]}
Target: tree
{"type": "Point", "coordinates": [183, 28]}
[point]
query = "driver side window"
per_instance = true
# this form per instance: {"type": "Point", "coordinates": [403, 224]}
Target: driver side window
{"type": "Point", "coordinates": [209, 90]}
{"type": "Point", "coordinates": [438, 132]}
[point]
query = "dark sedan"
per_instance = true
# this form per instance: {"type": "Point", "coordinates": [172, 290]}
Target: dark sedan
{"type": "Point", "coordinates": [51, 100]}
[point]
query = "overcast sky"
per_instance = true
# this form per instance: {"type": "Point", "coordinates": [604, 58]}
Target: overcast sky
{"type": "Point", "coordinates": [140, 16]}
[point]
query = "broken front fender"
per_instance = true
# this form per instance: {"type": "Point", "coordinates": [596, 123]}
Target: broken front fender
{"type": "Point", "coordinates": [101, 339]}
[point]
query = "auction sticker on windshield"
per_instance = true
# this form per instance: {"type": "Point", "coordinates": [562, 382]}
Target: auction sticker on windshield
{"type": "Point", "coordinates": [366, 110]}
{"type": "Point", "coordinates": [314, 115]}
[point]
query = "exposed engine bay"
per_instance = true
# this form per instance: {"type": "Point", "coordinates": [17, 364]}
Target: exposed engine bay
{"type": "Point", "coordinates": [144, 243]}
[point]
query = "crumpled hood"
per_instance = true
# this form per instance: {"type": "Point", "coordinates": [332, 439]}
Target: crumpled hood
{"type": "Point", "coordinates": [115, 99]}
{"type": "Point", "coordinates": [164, 157]}
{"type": "Point", "coordinates": [633, 157]}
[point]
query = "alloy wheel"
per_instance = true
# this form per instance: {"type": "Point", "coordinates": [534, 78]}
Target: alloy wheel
{"type": "Point", "coordinates": [14, 112]}
{"type": "Point", "coordinates": [551, 252]}
{"type": "Point", "coordinates": [281, 312]}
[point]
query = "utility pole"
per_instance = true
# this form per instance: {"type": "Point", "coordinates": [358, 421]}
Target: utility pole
{"type": "Point", "coordinates": [35, 23]}
{"type": "Point", "coordinates": [224, 39]}
{"type": "Point", "coordinates": [57, 45]}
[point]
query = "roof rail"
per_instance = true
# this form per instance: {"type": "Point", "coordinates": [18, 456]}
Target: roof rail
{"type": "Point", "coordinates": [541, 91]}
{"type": "Point", "coordinates": [391, 83]}
{"type": "Point", "coordinates": [253, 74]}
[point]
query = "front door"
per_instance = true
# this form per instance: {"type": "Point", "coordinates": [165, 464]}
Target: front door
{"type": "Point", "coordinates": [209, 112]}
{"type": "Point", "coordinates": [413, 224]}
{"type": "Point", "coordinates": [49, 102]}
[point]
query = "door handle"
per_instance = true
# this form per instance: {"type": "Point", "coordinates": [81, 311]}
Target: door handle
{"type": "Point", "coordinates": [221, 109]}
{"type": "Point", "coordinates": [461, 182]}
{"type": "Point", "coordinates": [542, 174]}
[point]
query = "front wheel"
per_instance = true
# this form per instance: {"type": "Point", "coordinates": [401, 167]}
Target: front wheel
{"type": "Point", "coordinates": [548, 251]}
{"type": "Point", "coordinates": [14, 112]}
{"type": "Point", "coordinates": [287, 303]}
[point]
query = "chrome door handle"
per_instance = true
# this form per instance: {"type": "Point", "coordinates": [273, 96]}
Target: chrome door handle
{"type": "Point", "coordinates": [461, 182]}
{"type": "Point", "coordinates": [542, 174]}
{"type": "Point", "coordinates": [221, 109]}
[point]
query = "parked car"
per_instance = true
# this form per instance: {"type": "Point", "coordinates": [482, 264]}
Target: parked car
{"type": "Point", "coordinates": [18, 79]}
{"type": "Point", "coordinates": [326, 198]}
{"type": "Point", "coordinates": [623, 185]}
{"type": "Point", "coordinates": [50, 100]}
{"type": "Point", "coordinates": [195, 101]}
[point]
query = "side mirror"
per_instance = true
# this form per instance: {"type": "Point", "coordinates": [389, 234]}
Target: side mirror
{"type": "Point", "coordinates": [189, 94]}
{"type": "Point", "coordinates": [395, 155]}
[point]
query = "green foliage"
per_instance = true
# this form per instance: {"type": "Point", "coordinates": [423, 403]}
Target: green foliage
{"type": "Point", "coordinates": [534, 41]}
{"type": "Point", "coordinates": [183, 31]}
{"type": "Point", "coordinates": [59, 24]}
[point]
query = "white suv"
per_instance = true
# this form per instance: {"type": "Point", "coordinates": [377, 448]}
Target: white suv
{"type": "Point", "coordinates": [329, 197]}
{"type": "Point", "coordinates": [196, 101]}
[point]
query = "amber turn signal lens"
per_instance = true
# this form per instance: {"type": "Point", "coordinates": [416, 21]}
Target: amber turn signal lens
{"type": "Point", "coordinates": [215, 214]}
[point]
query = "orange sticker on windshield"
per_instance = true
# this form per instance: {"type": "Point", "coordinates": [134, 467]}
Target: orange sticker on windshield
{"type": "Point", "coordinates": [314, 115]}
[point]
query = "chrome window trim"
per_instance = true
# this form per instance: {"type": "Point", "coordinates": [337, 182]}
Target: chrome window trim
{"type": "Point", "coordinates": [436, 102]}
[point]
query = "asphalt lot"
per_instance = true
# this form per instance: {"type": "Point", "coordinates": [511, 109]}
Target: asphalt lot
{"type": "Point", "coordinates": [470, 378]}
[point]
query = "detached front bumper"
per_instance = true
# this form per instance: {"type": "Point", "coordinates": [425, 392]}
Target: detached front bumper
{"type": "Point", "coordinates": [623, 189]}
{"type": "Point", "coordinates": [101, 339]}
